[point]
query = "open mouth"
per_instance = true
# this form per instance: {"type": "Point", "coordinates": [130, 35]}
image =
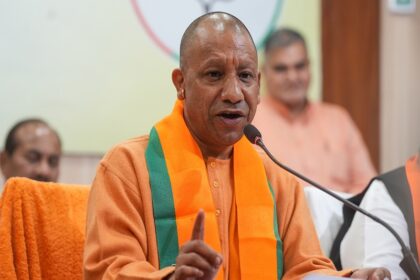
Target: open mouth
{"type": "Point", "coordinates": [231, 116]}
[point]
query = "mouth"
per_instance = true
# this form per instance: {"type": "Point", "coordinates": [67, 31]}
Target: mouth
{"type": "Point", "coordinates": [231, 118]}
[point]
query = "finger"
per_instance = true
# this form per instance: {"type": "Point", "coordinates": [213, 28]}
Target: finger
{"type": "Point", "coordinates": [381, 273]}
{"type": "Point", "coordinates": [198, 229]}
{"type": "Point", "coordinates": [205, 251]}
{"type": "Point", "coordinates": [194, 260]}
{"type": "Point", "coordinates": [185, 272]}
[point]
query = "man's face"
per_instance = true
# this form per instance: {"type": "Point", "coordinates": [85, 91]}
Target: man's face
{"type": "Point", "coordinates": [37, 155]}
{"type": "Point", "coordinates": [219, 85]}
{"type": "Point", "coordinates": [287, 74]}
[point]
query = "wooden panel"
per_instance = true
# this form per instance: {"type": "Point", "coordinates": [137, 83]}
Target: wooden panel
{"type": "Point", "coordinates": [350, 63]}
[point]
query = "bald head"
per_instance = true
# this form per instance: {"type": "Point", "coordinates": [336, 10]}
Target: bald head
{"type": "Point", "coordinates": [212, 23]}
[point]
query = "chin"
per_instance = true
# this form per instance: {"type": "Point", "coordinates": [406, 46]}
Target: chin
{"type": "Point", "coordinates": [231, 138]}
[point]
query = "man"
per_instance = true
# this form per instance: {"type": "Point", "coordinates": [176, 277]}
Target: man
{"type": "Point", "coordinates": [33, 150]}
{"type": "Point", "coordinates": [395, 198]}
{"type": "Point", "coordinates": [317, 139]}
{"type": "Point", "coordinates": [142, 214]}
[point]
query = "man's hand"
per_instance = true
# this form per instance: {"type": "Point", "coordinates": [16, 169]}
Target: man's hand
{"type": "Point", "coordinates": [196, 260]}
{"type": "Point", "coordinates": [372, 274]}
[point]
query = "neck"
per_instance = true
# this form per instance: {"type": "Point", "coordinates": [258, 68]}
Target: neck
{"type": "Point", "coordinates": [214, 152]}
{"type": "Point", "coordinates": [296, 109]}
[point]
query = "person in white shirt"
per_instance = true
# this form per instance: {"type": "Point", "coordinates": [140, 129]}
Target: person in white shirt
{"type": "Point", "coordinates": [395, 198]}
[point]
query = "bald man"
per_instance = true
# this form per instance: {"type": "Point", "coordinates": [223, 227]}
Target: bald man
{"type": "Point", "coordinates": [194, 199]}
{"type": "Point", "coordinates": [33, 150]}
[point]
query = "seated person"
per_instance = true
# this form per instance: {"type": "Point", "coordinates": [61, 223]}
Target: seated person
{"type": "Point", "coordinates": [395, 198]}
{"type": "Point", "coordinates": [33, 150]}
{"type": "Point", "coordinates": [318, 140]}
{"type": "Point", "coordinates": [252, 221]}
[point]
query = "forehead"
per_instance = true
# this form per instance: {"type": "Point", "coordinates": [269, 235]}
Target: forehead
{"type": "Point", "coordinates": [37, 136]}
{"type": "Point", "coordinates": [217, 37]}
{"type": "Point", "coordinates": [291, 54]}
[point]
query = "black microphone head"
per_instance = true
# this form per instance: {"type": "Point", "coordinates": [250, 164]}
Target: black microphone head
{"type": "Point", "coordinates": [252, 133]}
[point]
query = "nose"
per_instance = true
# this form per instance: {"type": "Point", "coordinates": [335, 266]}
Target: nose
{"type": "Point", "coordinates": [232, 91]}
{"type": "Point", "coordinates": [44, 171]}
{"type": "Point", "coordinates": [292, 75]}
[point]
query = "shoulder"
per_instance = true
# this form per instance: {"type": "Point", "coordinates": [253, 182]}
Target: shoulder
{"type": "Point", "coordinates": [126, 160]}
{"type": "Point", "coordinates": [134, 147]}
{"type": "Point", "coordinates": [330, 109]}
{"type": "Point", "coordinates": [283, 183]}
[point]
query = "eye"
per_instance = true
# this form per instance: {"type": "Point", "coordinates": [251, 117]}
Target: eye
{"type": "Point", "coordinates": [53, 161]}
{"type": "Point", "coordinates": [280, 68]}
{"type": "Point", "coordinates": [214, 74]}
{"type": "Point", "coordinates": [33, 156]}
{"type": "Point", "coordinates": [300, 66]}
{"type": "Point", "coordinates": [245, 76]}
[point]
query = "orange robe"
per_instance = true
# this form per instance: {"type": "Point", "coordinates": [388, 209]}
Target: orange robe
{"type": "Point", "coordinates": [120, 237]}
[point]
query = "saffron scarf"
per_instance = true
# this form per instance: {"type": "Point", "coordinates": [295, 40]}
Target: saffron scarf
{"type": "Point", "coordinates": [413, 177]}
{"type": "Point", "coordinates": [180, 187]}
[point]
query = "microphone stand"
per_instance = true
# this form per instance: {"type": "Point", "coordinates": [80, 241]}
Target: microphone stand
{"type": "Point", "coordinates": [408, 263]}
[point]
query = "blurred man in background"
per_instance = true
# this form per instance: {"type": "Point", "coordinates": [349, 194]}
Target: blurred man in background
{"type": "Point", "coordinates": [317, 139]}
{"type": "Point", "coordinates": [33, 150]}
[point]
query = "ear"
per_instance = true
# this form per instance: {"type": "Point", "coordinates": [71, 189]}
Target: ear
{"type": "Point", "coordinates": [3, 161]}
{"type": "Point", "coordinates": [178, 81]}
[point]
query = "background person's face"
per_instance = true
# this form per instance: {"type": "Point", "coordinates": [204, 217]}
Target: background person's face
{"type": "Point", "coordinates": [287, 74]}
{"type": "Point", "coordinates": [221, 82]}
{"type": "Point", "coordinates": [37, 155]}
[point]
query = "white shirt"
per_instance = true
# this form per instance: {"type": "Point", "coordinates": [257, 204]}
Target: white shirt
{"type": "Point", "coordinates": [369, 244]}
{"type": "Point", "coordinates": [327, 215]}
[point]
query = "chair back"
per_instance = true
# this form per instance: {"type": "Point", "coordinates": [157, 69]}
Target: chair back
{"type": "Point", "coordinates": [42, 230]}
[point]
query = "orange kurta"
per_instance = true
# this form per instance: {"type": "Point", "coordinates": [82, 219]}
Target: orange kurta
{"type": "Point", "coordinates": [120, 237]}
{"type": "Point", "coordinates": [322, 143]}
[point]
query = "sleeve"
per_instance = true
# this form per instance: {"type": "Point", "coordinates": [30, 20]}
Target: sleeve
{"type": "Point", "coordinates": [360, 164]}
{"type": "Point", "coordinates": [116, 235]}
{"type": "Point", "coordinates": [301, 249]}
{"type": "Point", "coordinates": [369, 244]}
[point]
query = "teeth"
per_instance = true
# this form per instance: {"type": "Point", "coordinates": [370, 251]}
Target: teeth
{"type": "Point", "coordinates": [230, 116]}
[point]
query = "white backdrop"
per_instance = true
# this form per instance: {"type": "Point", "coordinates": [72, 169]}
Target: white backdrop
{"type": "Point", "coordinates": [92, 69]}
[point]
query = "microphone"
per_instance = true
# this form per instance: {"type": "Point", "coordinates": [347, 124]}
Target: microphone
{"type": "Point", "coordinates": [408, 263]}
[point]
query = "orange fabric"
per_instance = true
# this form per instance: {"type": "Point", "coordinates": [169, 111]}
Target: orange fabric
{"type": "Point", "coordinates": [255, 231]}
{"type": "Point", "coordinates": [234, 265]}
{"type": "Point", "coordinates": [322, 143]}
{"type": "Point", "coordinates": [188, 176]}
{"type": "Point", "coordinates": [413, 177]}
{"type": "Point", "coordinates": [42, 230]}
{"type": "Point", "coordinates": [191, 192]}
{"type": "Point", "coordinates": [120, 237]}
{"type": "Point", "coordinates": [221, 183]}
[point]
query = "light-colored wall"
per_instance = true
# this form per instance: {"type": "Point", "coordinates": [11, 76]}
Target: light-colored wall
{"type": "Point", "coordinates": [400, 86]}
{"type": "Point", "coordinates": [79, 168]}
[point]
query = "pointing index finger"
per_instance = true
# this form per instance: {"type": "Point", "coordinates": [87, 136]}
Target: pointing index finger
{"type": "Point", "coordinates": [198, 229]}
